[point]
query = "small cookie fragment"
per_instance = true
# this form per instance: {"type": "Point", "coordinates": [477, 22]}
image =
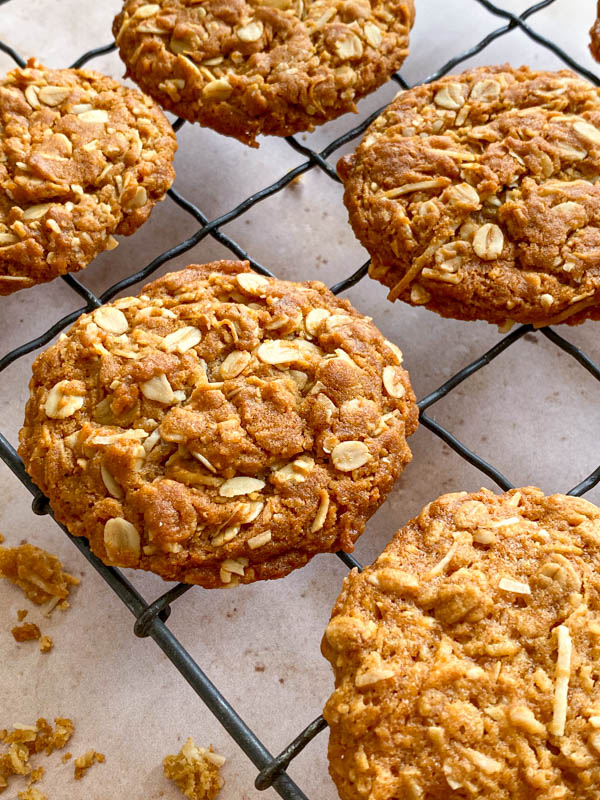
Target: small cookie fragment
{"type": "Point", "coordinates": [29, 631]}
{"type": "Point", "coordinates": [255, 67]}
{"type": "Point", "coordinates": [83, 158]}
{"type": "Point", "coordinates": [38, 573]}
{"type": "Point", "coordinates": [26, 632]}
{"type": "Point", "coordinates": [478, 196]}
{"type": "Point", "coordinates": [27, 740]}
{"type": "Point", "coordinates": [237, 427]}
{"type": "Point", "coordinates": [195, 770]}
{"type": "Point", "coordinates": [84, 762]}
{"type": "Point", "coordinates": [465, 657]}
{"type": "Point", "coordinates": [36, 775]}
{"type": "Point", "coordinates": [13, 762]}
{"type": "Point", "coordinates": [31, 793]}
{"type": "Point", "coordinates": [40, 737]}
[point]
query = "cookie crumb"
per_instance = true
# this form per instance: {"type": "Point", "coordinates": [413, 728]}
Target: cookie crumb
{"type": "Point", "coordinates": [49, 740]}
{"type": "Point", "coordinates": [24, 741]}
{"type": "Point", "coordinates": [40, 737]}
{"type": "Point", "coordinates": [46, 644]}
{"type": "Point", "coordinates": [38, 573]}
{"type": "Point", "coordinates": [36, 775]}
{"type": "Point", "coordinates": [195, 770]}
{"type": "Point", "coordinates": [13, 762]}
{"type": "Point", "coordinates": [26, 632]}
{"type": "Point", "coordinates": [84, 762]}
{"type": "Point", "coordinates": [31, 794]}
{"type": "Point", "coordinates": [68, 755]}
{"type": "Point", "coordinates": [21, 614]}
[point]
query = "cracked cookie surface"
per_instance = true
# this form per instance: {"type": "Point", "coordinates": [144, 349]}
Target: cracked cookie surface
{"type": "Point", "coordinates": [466, 657]}
{"type": "Point", "coordinates": [220, 428]}
{"type": "Point", "coordinates": [477, 196]}
{"type": "Point", "coordinates": [81, 158]}
{"type": "Point", "coordinates": [250, 67]}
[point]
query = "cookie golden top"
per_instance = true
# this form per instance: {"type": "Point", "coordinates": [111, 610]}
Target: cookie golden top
{"type": "Point", "coordinates": [221, 427]}
{"type": "Point", "coordinates": [477, 196]}
{"type": "Point", "coordinates": [466, 656]}
{"type": "Point", "coordinates": [245, 67]}
{"type": "Point", "coordinates": [81, 158]}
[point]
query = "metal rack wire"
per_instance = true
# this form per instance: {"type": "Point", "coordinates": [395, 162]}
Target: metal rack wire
{"type": "Point", "coordinates": [151, 617]}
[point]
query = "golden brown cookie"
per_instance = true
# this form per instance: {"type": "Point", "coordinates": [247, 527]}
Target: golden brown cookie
{"type": "Point", "coordinates": [221, 427]}
{"type": "Point", "coordinates": [595, 34]}
{"type": "Point", "coordinates": [477, 196]}
{"type": "Point", "coordinates": [81, 158]}
{"type": "Point", "coordinates": [250, 67]}
{"type": "Point", "coordinates": [466, 657]}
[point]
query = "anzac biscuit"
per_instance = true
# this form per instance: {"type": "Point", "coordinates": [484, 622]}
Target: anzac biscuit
{"type": "Point", "coordinates": [477, 196]}
{"type": "Point", "coordinates": [220, 428]}
{"type": "Point", "coordinates": [250, 67]}
{"type": "Point", "coordinates": [81, 158]}
{"type": "Point", "coordinates": [467, 656]}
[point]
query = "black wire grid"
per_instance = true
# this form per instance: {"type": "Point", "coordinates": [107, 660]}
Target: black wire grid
{"type": "Point", "coordinates": [151, 617]}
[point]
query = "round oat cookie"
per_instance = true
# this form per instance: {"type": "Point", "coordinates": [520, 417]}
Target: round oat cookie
{"type": "Point", "coordinates": [250, 67]}
{"type": "Point", "coordinates": [477, 196]}
{"type": "Point", "coordinates": [220, 428]}
{"type": "Point", "coordinates": [81, 158]}
{"type": "Point", "coordinates": [467, 657]}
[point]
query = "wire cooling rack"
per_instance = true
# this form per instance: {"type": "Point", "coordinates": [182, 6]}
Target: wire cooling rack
{"type": "Point", "coordinates": [151, 617]}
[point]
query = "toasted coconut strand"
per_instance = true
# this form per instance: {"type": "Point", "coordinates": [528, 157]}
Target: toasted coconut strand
{"type": "Point", "coordinates": [563, 673]}
{"type": "Point", "coordinates": [441, 565]}
{"type": "Point", "coordinates": [510, 585]}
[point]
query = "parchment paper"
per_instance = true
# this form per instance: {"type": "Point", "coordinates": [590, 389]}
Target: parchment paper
{"type": "Point", "coordinates": [534, 413]}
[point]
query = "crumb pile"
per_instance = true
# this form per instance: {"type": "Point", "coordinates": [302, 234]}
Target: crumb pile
{"type": "Point", "coordinates": [84, 762]}
{"type": "Point", "coordinates": [38, 573]}
{"type": "Point", "coordinates": [41, 577]}
{"type": "Point", "coordinates": [195, 770]}
{"type": "Point", "coordinates": [24, 741]}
